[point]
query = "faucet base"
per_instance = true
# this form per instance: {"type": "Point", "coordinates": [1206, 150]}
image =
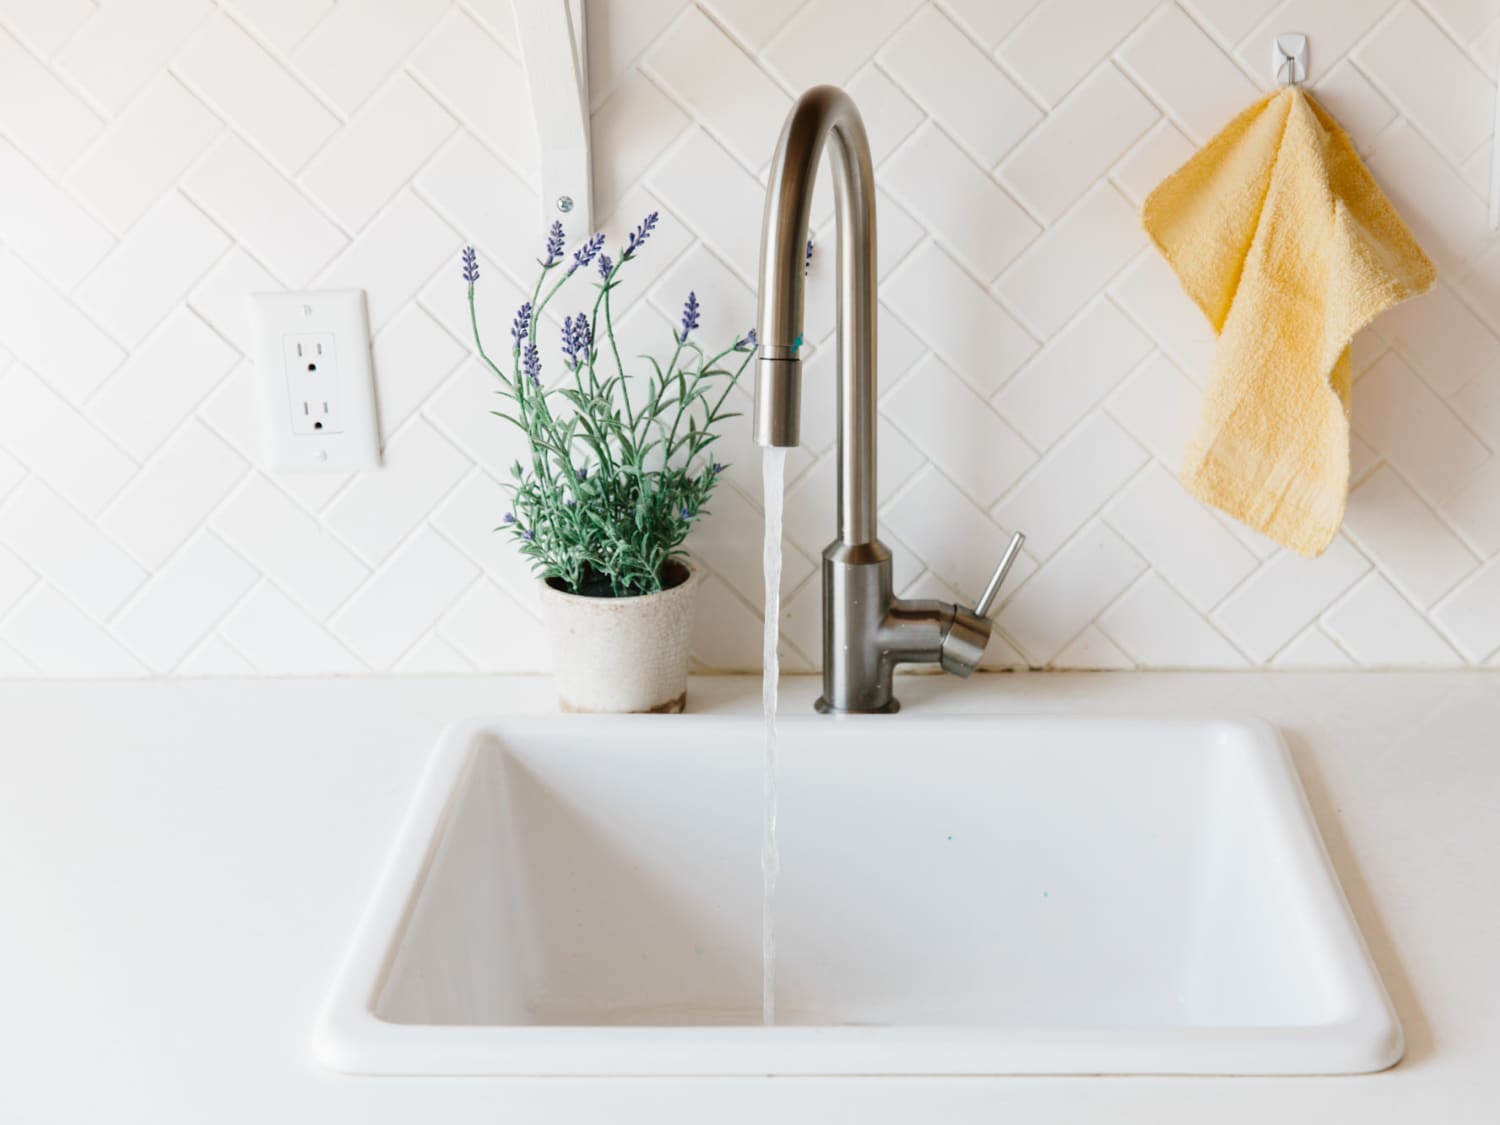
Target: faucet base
{"type": "Point", "coordinates": [823, 707]}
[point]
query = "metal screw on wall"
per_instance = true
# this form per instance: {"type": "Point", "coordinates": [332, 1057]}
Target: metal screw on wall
{"type": "Point", "coordinates": [565, 203]}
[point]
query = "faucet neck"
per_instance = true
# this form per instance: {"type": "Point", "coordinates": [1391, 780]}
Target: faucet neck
{"type": "Point", "coordinates": [822, 115]}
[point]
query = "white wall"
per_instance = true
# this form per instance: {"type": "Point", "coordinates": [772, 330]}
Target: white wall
{"type": "Point", "coordinates": [1040, 369]}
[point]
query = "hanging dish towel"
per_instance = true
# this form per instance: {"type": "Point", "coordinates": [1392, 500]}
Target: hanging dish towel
{"type": "Point", "coordinates": [1279, 234]}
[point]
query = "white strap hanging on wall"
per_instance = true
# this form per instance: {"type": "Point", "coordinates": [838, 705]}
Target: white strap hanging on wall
{"type": "Point", "coordinates": [552, 49]}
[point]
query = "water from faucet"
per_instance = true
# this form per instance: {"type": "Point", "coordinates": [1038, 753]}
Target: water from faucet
{"type": "Point", "coordinates": [774, 478]}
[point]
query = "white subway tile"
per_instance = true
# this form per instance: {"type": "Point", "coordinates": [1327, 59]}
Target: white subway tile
{"type": "Point", "coordinates": [47, 331]}
{"type": "Point", "coordinates": [1280, 599]}
{"type": "Point", "coordinates": [969, 214]}
{"type": "Point", "coordinates": [1159, 629]}
{"type": "Point", "coordinates": [1092, 651]}
{"type": "Point", "coordinates": [279, 639]}
{"type": "Point", "coordinates": [183, 601]}
{"type": "Point", "coordinates": [1313, 649]}
{"type": "Point", "coordinates": [292, 548]}
{"type": "Point", "coordinates": [377, 152]}
{"type": "Point", "coordinates": [378, 510]}
{"type": "Point", "coordinates": [404, 599]}
{"type": "Point", "coordinates": [958, 431]}
{"type": "Point", "coordinates": [1436, 85]}
{"type": "Point", "coordinates": [44, 25]}
{"type": "Point", "coordinates": [1186, 73]}
{"type": "Point", "coordinates": [166, 377]}
{"type": "Point", "coordinates": [125, 43]}
{"type": "Point", "coordinates": [1382, 630]}
{"type": "Point", "coordinates": [412, 355]}
{"type": "Point", "coordinates": [1070, 484]}
{"type": "Point", "coordinates": [715, 197]}
{"type": "Point", "coordinates": [44, 226]}
{"type": "Point", "coordinates": [1072, 260]}
{"type": "Point", "coordinates": [729, 95]}
{"type": "Point", "coordinates": [821, 43]}
{"type": "Point", "coordinates": [58, 639]}
{"type": "Point", "coordinates": [1406, 541]}
{"type": "Point", "coordinates": [1068, 378]}
{"type": "Point", "coordinates": [1438, 335]}
{"type": "Point", "coordinates": [1415, 430]}
{"type": "Point", "coordinates": [1151, 295]}
{"type": "Point", "coordinates": [475, 79]}
{"type": "Point", "coordinates": [1053, 48]}
{"type": "Point", "coordinates": [1475, 508]}
{"type": "Point", "coordinates": [1445, 214]}
{"type": "Point", "coordinates": [1180, 538]}
{"type": "Point", "coordinates": [280, 24]}
{"type": "Point", "coordinates": [143, 152]}
{"type": "Point", "coordinates": [957, 539]}
{"type": "Point", "coordinates": [962, 323]}
{"type": "Point", "coordinates": [1088, 131]}
{"type": "Point", "coordinates": [54, 540]}
{"type": "Point", "coordinates": [1160, 408]}
{"type": "Point", "coordinates": [266, 215]}
{"type": "Point", "coordinates": [256, 94]}
{"type": "Point", "coordinates": [360, 42]}
{"type": "Point", "coordinates": [1068, 592]}
{"type": "Point", "coordinates": [959, 85]}
{"type": "Point", "coordinates": [393, 256]}
{"type": "Point", "coordinates": [57, 443]}
{"type": "Point", "coordinates": [492, 631]}
{"type": "Point", "coordinates": [1156, 156]}
{"type": "Point", "coordinates": [172, 495]}
{"type": "Point", "coordinates": [1470, 616]}
{"type": "Point", "coordinates": [221, 298]}
{"type": "Point", "coordinates": [627, 135]}
{"type": "Point", "coordinates": [38, 114]}
{"type": "Point", "coordinates": [151, 268]}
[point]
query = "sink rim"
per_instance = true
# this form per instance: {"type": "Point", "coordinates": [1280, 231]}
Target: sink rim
{"type": "Point", "coordinates": [351, 1038]}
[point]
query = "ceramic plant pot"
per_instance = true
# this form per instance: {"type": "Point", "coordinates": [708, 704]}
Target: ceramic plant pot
{"type": "Point", "coordinates": [620, 655]}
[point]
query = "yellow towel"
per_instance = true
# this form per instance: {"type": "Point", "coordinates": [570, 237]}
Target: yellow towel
{"type": "Point", "coordinates": [1279, 234]}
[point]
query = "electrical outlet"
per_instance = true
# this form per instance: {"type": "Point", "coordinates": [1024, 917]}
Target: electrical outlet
{"type": "Point", "coordinates": [313, 364]}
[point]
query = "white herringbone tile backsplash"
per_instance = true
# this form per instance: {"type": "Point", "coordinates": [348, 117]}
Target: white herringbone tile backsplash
{"type": "Point", "coordinates": [1040, 369]}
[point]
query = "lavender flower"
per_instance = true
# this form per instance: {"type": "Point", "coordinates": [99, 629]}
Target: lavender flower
{"type": "Point", "coordinates": [639, 235]}
{"type": "Point", "coordinates": [807, 260]}
{"type": "Point", "coordinates": [471, 265]}
{"type": "Point", "coordinates": [746, 342]}
{"type": "Point", "coordinates": [686, 513]}
{"type": "Point", "coordinates": [689, 317]}
{"type": "Point", "coordinates": [581, 472]}
{"type": "Point", "coordinates": [585, 253]}
{"type": "Point", "coordinates": [520, 328]}
{"type": "Point", "coordinates": [510, 517]}
{"type": "Point", "coordinates": [526, 535]}
{"type": "Point", "coordinates": [554, 245]}
{"type": "Point", "coordinates": [716, 468]}
{"type": "Point", "coordinates": [577, 338]}
{"type": "Point", "coordinates": [605, 266]}
{"type": "Point", "coordinates": [531, 364]}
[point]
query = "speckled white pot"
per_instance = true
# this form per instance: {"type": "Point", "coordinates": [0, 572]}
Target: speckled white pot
{"type": "Point", "coordinates": [622, 654]}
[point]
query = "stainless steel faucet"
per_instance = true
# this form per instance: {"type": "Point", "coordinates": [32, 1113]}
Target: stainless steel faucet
{"type": "Point", "coordinates": [867, 630]}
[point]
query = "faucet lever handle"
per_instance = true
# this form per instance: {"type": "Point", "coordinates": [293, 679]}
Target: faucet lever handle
{"type": "Point", "coordinates": [987, 599]}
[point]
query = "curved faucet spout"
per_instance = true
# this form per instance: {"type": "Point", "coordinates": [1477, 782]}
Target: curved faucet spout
{"type": "Point", "coordinates": [867, 630]}
{"type": "Point", "coordinates": [823, 117]}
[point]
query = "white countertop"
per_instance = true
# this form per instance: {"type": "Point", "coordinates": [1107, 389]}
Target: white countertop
{"type": "Point", "coordinates": [182, 864]}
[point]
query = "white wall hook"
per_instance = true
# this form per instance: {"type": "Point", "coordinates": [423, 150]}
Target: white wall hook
{"type": "Point", "coordinates": [1289, 57]}
{"type": "Point", "coordinates": [553, 51]}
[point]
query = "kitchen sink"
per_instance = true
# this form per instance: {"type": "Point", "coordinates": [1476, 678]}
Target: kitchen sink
{"type": "Point", "coordinates": [958, 895]}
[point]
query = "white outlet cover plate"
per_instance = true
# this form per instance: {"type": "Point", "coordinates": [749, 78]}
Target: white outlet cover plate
{"type": "Point", "coordinates": [312, 361]}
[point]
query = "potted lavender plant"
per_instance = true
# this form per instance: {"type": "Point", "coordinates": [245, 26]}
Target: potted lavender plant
{"type": "Point", "coordinates": [618, 472]}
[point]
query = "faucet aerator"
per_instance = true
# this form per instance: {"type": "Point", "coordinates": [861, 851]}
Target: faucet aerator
{"type": "Point", "coordinates": [778, 403]}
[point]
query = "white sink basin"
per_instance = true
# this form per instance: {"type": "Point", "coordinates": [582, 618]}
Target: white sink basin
{"type": "Point", "coordinates": [961, 895]}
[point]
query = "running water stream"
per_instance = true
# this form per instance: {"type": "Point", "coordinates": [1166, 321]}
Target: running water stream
{"type": "Point", "coordinates": [774, 470]}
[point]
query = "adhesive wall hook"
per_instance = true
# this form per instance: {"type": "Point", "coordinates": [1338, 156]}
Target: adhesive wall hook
{"type": "Point", "coordinates": [553, 51]}
{"type": "Point", "coordinates": [1289, 57]}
